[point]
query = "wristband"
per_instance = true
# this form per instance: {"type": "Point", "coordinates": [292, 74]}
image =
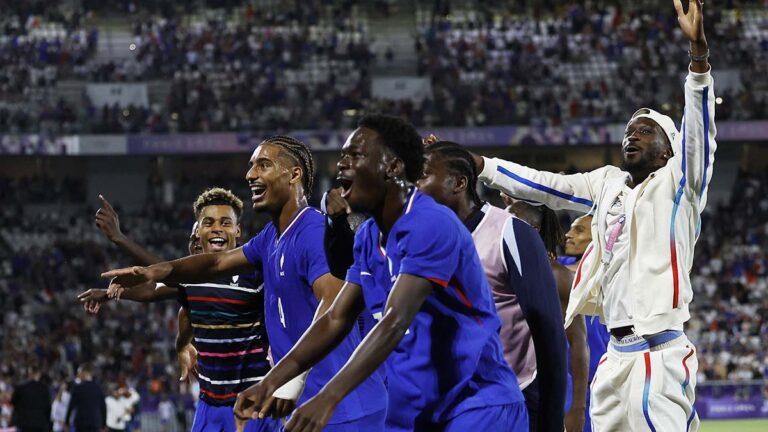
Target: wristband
{"type": "Point", "coordinates": [292, 389]}
{"type": "Point", "coordinates": [698, 58]}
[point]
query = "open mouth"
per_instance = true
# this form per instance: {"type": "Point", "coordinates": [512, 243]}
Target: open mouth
{"type": "Point", "coordinates": [631, 149]}
{"type": "Point", "coordinates": [217, 243]}
{"type": "Point", "coordinates": [257, 192]}
{"type": "Point", "coordinates": [346, 186]}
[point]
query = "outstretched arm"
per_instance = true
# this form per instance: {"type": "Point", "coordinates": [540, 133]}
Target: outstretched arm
{"type": "Point", "coordinates": [109, 224]}
{"type": "Point", "coordinates": [191, 269]}
{"type": "Point", "coordinates": [150, 292]}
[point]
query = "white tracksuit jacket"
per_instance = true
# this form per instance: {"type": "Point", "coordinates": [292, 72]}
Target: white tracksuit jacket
{"type": "Point", "coordinates": [663, 216]}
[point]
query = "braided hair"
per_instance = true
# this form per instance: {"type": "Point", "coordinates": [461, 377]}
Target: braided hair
{"type": "Point", "coordinates": [551, 231]}
{"type": "Point", "coordinates": [459, 162]}
{"type": "Point", "coordinates": [300, 154]}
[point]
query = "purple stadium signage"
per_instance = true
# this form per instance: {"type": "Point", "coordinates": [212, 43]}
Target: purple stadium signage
{"type": "Point", "coordinates": [225, 142]}
{"type": "Point", "coordinates": [731, 408]}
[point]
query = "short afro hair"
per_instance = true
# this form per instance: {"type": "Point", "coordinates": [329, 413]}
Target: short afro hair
{"type": "Point", "coordinates": [402, 138]}
{"type": "Point", "coordinates": [218, 196]}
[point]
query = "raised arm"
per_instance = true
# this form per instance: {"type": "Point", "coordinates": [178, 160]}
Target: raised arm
{"type": "Point", "coordinates": [109, 224]}
{"type": "Point", "coordinates": [697, 146]}
{"type": "Point", "coordinates": [339, 238]}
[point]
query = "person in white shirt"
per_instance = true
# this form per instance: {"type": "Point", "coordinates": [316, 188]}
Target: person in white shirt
{"type": "Point", "coordinates": [118, 413]}
{"type": "Point", "coordinates": [59, 409]}
{"type": "Point", "coordinates": [635, 274]}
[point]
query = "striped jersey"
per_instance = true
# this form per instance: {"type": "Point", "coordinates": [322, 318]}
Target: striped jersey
{"type": "Point", "coordinates": [227, 317]}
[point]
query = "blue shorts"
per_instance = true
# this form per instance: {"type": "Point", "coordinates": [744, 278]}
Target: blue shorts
{"type": "Point", "coordinates": [502, 418]}
{"type": "Point", "coordinates": [211, 418]}
{"type": "Point", "coordinates": [372, 422]}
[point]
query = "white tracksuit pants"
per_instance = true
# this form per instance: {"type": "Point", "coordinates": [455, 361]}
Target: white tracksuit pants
{"type": "Point", "coordinates": [646, 384]}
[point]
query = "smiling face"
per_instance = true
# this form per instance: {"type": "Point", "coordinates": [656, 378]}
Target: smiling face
{"type": "Point", "coordinates": [363, 170]}
{"type": "Point", "coordinates": [645, 148]}
{"type": "Point", "coordinates": [270, 177]}
{"type": "Point", "coordinates": [579, 236]}
{"type": "Point", "coordinates": [218, 228]}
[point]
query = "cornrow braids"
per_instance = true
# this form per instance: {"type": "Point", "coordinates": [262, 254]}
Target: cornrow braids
{"type": "Point", "coordinates": [218, 196]}
{"type": "Point", "coordinates": [300, 153]}
{"type": "Point", "coordinates": [551, 231]}
{"type": "Point", "coordinates": [459, 162]}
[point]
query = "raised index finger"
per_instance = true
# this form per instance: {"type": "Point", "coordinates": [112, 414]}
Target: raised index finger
{"type": "Point", "coordinates": [119, 272]}
{"type": "Point", "coordinates": [106, 204]}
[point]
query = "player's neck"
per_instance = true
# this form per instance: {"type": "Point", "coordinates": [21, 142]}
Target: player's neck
{"type": "Point", "coordinates": [394, 202]}
{"type": "Point", "coordinates": [464, 208]}
{"type": "Point", "coordinates": [283, 218]}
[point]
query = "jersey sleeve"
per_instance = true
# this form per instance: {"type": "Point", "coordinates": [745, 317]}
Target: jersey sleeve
{"type": "Point", "coordinates": [313, 251]}
{"type": "Point", "coordinates": [429, 246]}
{"type": "Point", "coordinates": [253, 248]}
{"type": "Point", "coordinates": [353, 273]}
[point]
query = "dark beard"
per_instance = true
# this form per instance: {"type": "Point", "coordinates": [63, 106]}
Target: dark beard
{"type": "Point", "coordinates": [640, 169]}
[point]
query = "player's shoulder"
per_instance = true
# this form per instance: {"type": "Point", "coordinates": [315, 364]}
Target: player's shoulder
{"type": "Point", "coordinates": [422, 210]}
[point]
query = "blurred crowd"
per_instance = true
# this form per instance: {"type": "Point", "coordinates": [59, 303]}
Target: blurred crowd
{"type": "Point", "coordinates": [263, 64]}
{"type": "Point", "coordinates": [729, 321]}
{"type": "Point", "coordinates": [587, 62]}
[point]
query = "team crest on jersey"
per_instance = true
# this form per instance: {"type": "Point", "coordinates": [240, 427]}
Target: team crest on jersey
{"type": "Point", "coordinates": [234, 280]}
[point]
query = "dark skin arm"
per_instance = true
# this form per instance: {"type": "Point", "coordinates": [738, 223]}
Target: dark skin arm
{"type": "Point", "coordinates": [576, 334]}
{"type": "Point", "coordinates": [191, 269]}
{"type": "Point", "coordinates": [186, 353]}
{"type": "Point", "coordinates": [93, 299]}
{"type": "Point", "coordinates": [340, 305]}
{"type": "Point", "coordinates": [405, 300]}
{"type": "Point", "coordinates": [109, 224]}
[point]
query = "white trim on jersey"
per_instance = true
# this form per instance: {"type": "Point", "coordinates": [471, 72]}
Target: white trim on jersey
{"type": "Point", "coordinates": [222, 286]}
{"type": "Point", "coordinates": [225, 382]}
{"type": "Point", "coordinates": [245, 339]}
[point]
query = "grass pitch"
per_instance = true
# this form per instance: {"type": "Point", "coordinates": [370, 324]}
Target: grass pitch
{"type": "Point", "coordinates": [734, 426]}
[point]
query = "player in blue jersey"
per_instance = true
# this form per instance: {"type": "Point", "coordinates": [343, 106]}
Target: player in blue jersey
{"type": "Point", "coordinates": [416, 270]}
{"type": "Point", "coordinates": [297, 283]}
{"type": "Point", "coordinates": [223, 317]}
{"type": "Point", "coordinates": [519, 272]}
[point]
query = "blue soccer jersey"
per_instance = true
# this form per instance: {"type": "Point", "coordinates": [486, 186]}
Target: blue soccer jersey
{"type": "Point", "coordinates": [291, 264]}
{"type": "Point", "coordinates": [450, 359]}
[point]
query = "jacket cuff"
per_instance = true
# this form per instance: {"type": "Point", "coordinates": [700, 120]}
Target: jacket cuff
{"type": "Point", "coordinates": [701, 79]}
{"type": "Point", "coordinates": [489, 168]}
